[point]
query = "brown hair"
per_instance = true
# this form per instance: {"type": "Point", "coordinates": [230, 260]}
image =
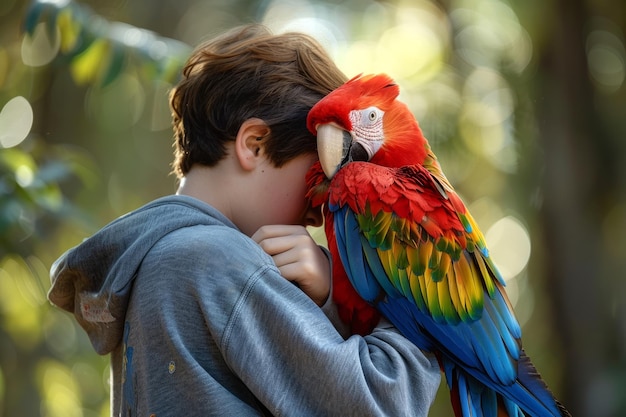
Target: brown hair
{"type": "Point", "coordinates": [249, 72]}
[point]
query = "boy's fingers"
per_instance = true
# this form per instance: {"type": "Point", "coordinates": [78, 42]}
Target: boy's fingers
{"type": "Point", "coordinates": [285, 258]}
{"type": "Point", "coordinates": [277, 230]}
{"type": "Point", "coordinates": [276, 245]}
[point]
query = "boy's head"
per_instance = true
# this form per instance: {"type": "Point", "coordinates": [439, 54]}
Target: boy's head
{"type": "Point", "coordinates": [249, 73]}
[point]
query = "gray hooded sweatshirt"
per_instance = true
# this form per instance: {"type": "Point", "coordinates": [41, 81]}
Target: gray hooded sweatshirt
{"type": "Point", "coordinates": [199, 322]}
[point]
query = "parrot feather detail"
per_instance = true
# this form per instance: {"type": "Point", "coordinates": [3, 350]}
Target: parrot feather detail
{"type": "Point", "coordinates": [404, 246]}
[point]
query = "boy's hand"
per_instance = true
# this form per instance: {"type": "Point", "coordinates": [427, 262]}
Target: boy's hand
{"type": "Point", "coordinates": [298, 257]}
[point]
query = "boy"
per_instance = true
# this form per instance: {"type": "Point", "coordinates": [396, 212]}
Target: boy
{"type": "Point", "coordinates": [186, 293]}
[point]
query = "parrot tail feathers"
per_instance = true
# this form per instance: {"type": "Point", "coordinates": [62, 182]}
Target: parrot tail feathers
{"type": "Point", "coordinates": [534, 386]}
{"type": "Point", "coordinates": [529, 395]}
{"type": "Point", "coordinates": [471, 398]}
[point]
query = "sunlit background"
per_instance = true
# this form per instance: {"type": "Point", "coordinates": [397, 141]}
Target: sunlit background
{"type": "Point", "coordinates": [523, 101]}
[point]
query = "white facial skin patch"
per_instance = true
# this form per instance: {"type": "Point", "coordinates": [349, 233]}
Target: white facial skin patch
{"type": "Point", "coordinates": [367, 128]}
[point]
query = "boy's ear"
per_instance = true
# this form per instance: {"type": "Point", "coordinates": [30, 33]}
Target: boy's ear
{"type": "Point", "coordinates": [250, 142]}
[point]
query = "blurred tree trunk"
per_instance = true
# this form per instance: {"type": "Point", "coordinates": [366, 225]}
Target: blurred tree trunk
{"type": "Point", "coordinates": [579, 178]}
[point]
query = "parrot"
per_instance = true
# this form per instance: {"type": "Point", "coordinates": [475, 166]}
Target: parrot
{"type": "Point", "coordinates": [405, 247]}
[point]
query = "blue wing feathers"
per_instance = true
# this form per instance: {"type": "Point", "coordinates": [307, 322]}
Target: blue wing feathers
{"type": "Point", "coordinates": [500, 304]}
{"type": "Point", "coordinates": [352, 253]}
{"type": "Point", "coordinates": [501, 321]}
{"type": "Point", "coordinates": [367, 288]}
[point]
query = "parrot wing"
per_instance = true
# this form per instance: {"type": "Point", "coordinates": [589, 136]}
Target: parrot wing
{"type": "Point", "coordinates": [411, 244]}
{"type": "Point", "coordinates": [411, 249]}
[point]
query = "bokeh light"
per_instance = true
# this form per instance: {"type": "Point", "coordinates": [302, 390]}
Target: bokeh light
{"type": "Point", "coordinates": [16, 120]}
{"type": "Point", "coordinates": [41, 48]}
{"type": "Point", "coordinates": [490, 34]}
{"type": "Point", "coordinates": [60, 392]}
{"type": "Point", "coordinates": [486, 117]}
{"type": "Point", "coordinates": [19, 316]}
{"type": "Point", "coordinates": [606, 58]}
{"type": "Point", "coordinates": [509, 245]}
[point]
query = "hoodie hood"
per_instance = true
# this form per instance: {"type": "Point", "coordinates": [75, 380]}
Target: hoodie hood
{"type": "Point", "coordinates": [93, 280]}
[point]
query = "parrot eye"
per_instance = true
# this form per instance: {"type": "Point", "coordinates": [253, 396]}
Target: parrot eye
{"type": "Point", "coordinates": [371, 115]}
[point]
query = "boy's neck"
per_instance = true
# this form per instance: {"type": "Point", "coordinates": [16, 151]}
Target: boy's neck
{"type": "Point", "coordinates": [208, 184]}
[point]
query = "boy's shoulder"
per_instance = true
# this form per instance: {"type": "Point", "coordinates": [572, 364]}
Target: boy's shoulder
{"type": "Point", "coordinates": [210, 247]}
{"type": "Point", "coordinates": [215, 238]}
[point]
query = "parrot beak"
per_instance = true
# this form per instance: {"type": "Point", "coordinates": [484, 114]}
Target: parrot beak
{"type": "Point", "coordinates": [333, 145]}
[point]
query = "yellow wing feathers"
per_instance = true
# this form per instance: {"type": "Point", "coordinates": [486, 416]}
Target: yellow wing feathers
{"type": "Point", "coordinates": [443, 277]}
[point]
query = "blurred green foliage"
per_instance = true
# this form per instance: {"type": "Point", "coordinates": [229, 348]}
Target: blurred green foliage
{"type": "Point", "coordinates": [522, 101]}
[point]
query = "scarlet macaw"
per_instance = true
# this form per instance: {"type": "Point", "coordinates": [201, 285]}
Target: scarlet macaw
{"type": "Point", "coordinates": [405, 246]}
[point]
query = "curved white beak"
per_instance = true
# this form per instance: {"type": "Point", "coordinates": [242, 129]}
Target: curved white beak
{"type": "Point", "coordinates": [333, 144]}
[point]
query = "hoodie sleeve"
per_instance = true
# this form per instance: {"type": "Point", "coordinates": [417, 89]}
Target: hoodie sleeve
{"type": "Point", "coordinates": [294, 361]}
